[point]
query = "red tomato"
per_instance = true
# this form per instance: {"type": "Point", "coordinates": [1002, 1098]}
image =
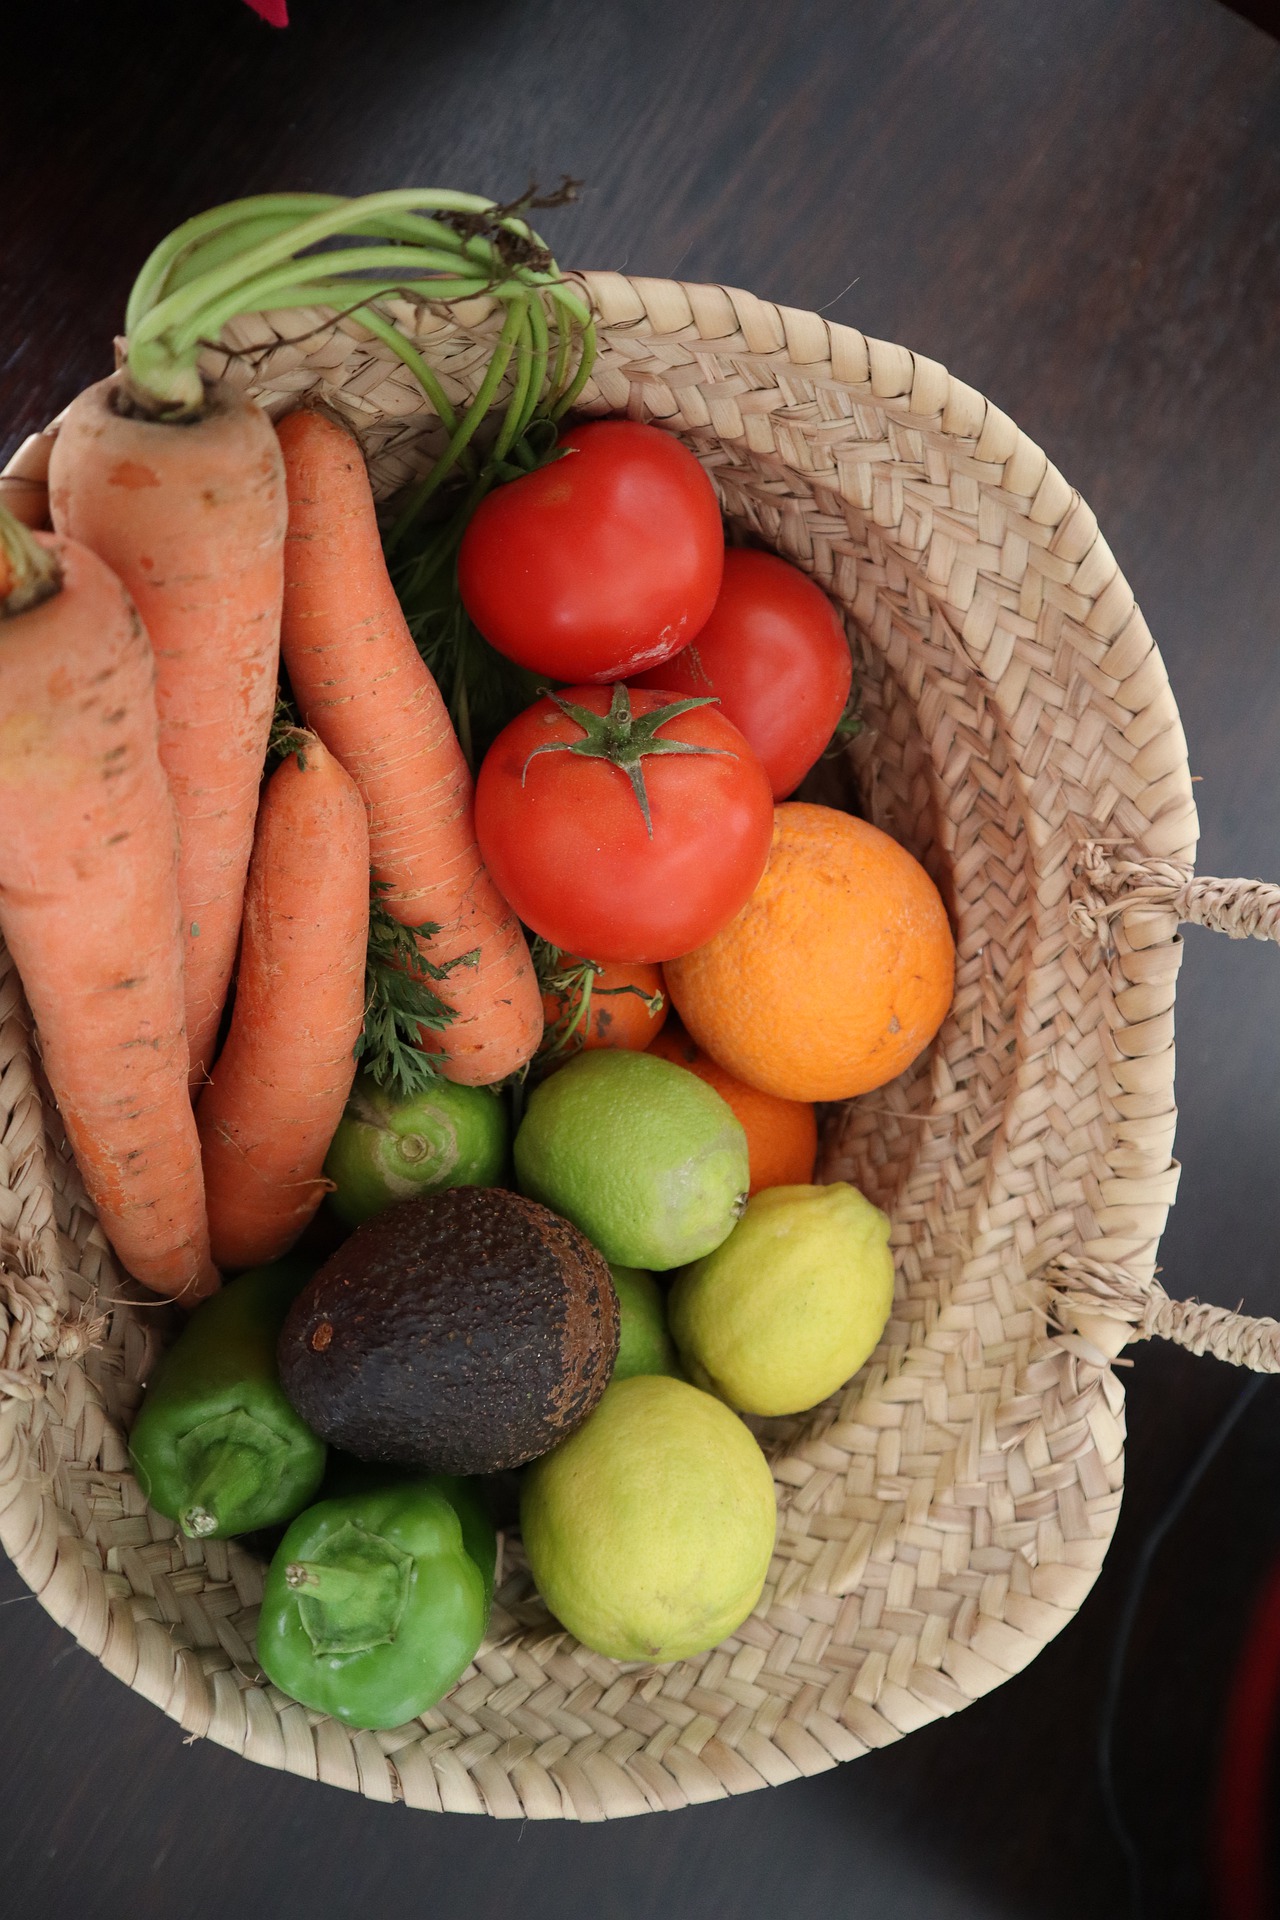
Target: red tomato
{"type": "Point", "coordinates": [606, 561]}
{"type": "Point", "coordinates": [565, 839]}
{"type": "Point", "coordinates": [775, 655]}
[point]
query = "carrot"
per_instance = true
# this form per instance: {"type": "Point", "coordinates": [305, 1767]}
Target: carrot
{"type": "Point", "coordinates": [277, 1091]}
{"type": "Point", "coordinates": [191, 517]}
{"type": "Point", "coordinates": [364, 689]}
{"type": "Point", "coordinates": [89, 898]}
{"type": "Point", "coordinates": [178, 485]}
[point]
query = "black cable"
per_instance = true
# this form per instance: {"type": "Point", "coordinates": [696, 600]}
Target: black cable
{"type": "Point", "coordinates": [1128, 1619]}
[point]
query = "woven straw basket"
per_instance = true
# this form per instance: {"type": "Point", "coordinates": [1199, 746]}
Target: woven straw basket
{"type": "Point", "coordinates": [945, 1515]}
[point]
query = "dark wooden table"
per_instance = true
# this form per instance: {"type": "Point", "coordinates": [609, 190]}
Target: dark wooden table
{"type": "Point", "coordinates": [1077, 209]}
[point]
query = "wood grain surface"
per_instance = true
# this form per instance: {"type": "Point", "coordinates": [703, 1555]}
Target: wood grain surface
{"type": "Point", "coordinates": [1077, 209]}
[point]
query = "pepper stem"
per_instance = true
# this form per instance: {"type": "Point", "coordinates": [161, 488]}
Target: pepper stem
{"type": "Point", "coordinates": [331, 1585]}
{"type": "Point", "coordinates": [353, 1591]}
{"type": "Point", "coordinates": [230, 1475]}
{"type": "Point", "coordinates": [29, 572]}
{"type": "Point", "coordinates": [226, 1462]}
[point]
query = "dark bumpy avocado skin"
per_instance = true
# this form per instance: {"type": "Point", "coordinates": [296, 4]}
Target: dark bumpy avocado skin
{"type": "Point", "coordinates": [464, 1332]}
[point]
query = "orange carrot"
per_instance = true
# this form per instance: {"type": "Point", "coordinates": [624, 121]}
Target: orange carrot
{"type": "Point", "coordinates": [364, 689]}
{"type": "Point", "coordinates": [277, 1091]}
{"type": "Point", "coordinates": [191, 517]}
{"type": "Point", "coordinates": [89, 899]}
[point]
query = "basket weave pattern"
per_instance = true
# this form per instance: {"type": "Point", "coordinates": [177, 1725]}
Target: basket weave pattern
{"type": "Point", "coordinates": [945, 1515]}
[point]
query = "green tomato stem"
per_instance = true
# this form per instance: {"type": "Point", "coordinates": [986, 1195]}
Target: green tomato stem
{"type": "Point", "coordinates": [580, 1022]}
{"type": "Point", "coordinates": [626, 740]}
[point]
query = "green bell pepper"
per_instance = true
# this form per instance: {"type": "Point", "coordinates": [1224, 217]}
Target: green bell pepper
{"type": "Point", "coordinates": [377, 1601]}
{"type": "Point", "coordinates": [216, 1446]}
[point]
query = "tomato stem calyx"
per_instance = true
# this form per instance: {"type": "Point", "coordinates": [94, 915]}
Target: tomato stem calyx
{"type": "Point", "coordinates": [624, 739]}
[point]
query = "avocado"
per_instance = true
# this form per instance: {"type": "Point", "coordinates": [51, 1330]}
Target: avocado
{"type": "Point", "coordinates": [464, 1332]}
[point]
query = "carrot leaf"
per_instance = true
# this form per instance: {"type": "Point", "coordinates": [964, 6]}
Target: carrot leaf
{"type": "Point", "coordinates": [288, 735]}
{"type": "Point", "coordinates": [399, 1000]}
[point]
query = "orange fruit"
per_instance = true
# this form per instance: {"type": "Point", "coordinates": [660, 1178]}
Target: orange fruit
{"type": "Point", "coordinates": [782, 1135]}
{"type": "Point", "coordinates": [837, 972]}
{"type": "Point", "coordinates": [627, 1005]}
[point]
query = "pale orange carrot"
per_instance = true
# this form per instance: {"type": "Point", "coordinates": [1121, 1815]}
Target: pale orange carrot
{"type": "Point", "coordinates": [191, 517]}
{"type": "Point", "coordinates": [89, 899]}
{"type": "Point", "coordinates": [278, 1087]}
{"type": "Point", "coordinates": [364, 689]}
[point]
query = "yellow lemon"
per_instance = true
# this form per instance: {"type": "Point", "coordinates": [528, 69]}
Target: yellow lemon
{"type": "Point", "coordinates": [649, 1531]}
{"type": "Point", "coordinates": [791, 1303]}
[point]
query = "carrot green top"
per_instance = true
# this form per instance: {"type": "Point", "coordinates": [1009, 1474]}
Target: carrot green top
{"type": "Point", "coordinates": [29, 572]}
{"type": "Point", "coordinates": [316, 249]}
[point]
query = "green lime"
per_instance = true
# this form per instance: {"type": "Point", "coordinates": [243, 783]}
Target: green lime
{"type": "Point", "coordinates": [643, 1156]}
{"type": "Point", "coordinates": [645, 1345]}
{"type": "Point", "coordinates": [791, 1304]}
{"type": "Point", "coordinates": [390, 1147]}
{"type": "Point", "coordinates": [649, 1530]}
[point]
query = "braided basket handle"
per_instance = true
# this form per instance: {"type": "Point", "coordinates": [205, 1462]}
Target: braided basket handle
{"type": "Point", "coordinates": [1099, 1298]}
{"type": "Point", "coordinates": [1242, 909]}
